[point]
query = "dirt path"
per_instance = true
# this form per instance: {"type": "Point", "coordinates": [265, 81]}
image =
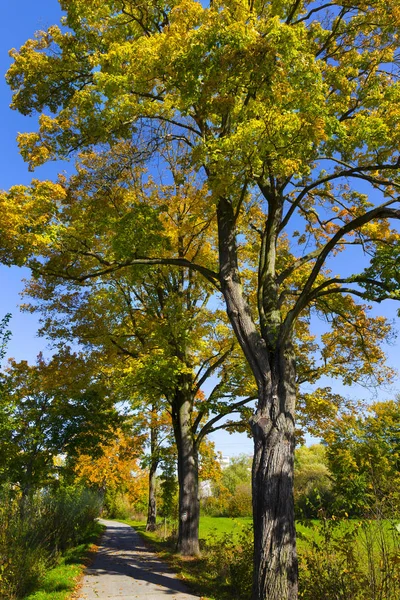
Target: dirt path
{"type": "Point", "coordinates": [125, 568]}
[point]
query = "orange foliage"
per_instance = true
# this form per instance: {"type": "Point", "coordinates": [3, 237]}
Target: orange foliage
{"type": "Point", "coordinates": [117, 469]}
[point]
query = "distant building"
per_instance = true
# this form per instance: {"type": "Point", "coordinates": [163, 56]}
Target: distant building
{"type": "Point", "coordinates": [225, 461]}
{"type": "Point", "coordinates": [205, 490]}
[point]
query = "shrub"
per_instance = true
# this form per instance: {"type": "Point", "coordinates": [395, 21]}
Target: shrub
{"type": "Point", "coordinates": [216, 506]}
{"type": "Point", "coordinates": [34, 530]}
{"type": "Point", "coordinates": [118, 506]}
{"type": "Point", "coordinates": [230, 560]}
{"type": "Point", "coordinates": [240, 504]}
{"type": "Point", "coordinates": [350, 560]}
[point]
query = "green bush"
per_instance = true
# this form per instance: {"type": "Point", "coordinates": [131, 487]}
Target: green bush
{"type": "Point", "coordinates": [215, 506]}
{"type": "Point", "coordinates": [350, 560]}
{"type": "Point", "coordinates": [240, 504]}
{"type": "Point", "coordinates": [33, 532]}
{"type": "Point", "coordinates": [117, 506]}
{"type": "Point", "coordinates": [230, 560]}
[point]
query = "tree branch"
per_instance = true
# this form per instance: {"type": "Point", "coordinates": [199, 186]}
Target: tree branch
{"type": "Point", "coordinates": [348, 172]}
{"type": "Point", "coordinates": [321, 291]}
{"type": "Point", "coordinates": [210, 370]}
{"type": "Point", "coordinates": [208, 427]}
{"type": "Point", "coordinates": [210, 275]}
{"type": "Point", "coordinates": [380, 212]}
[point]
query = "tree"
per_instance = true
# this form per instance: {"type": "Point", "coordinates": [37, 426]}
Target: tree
{"type": "Point", "coordinates": [285, 105]}
{"type": "Point", "coordinates": [363, 453]}
{"type": "Point", "coordinates": [156, 423]}
{"type": "Point", "coordinates": [48, 413]}
{"type": "Point", "coordinates": [5, 335]}
{"type": "Point", "coordinates": [312, 480]}
{"type": "Point", "coordinates": [115, 469]}
{"type": "Point", "coordinates": [156, 329]}
{"type": "Point", "coordinates": [236, 479]}
{"type": "Point", "coordinates": [237, 472]}
{"type": "Point", "coordinates": [158, 341]}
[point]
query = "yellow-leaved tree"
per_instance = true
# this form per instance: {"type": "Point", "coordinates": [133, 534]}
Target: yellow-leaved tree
{"type": "Point", "coordinates": [288, 105]}
{"type": "Point", "coordinates": [116, 469]}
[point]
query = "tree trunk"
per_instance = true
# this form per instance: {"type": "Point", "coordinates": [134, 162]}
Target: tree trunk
{"type": "Point", "coordinates": [152, 506]}
{"type": "Point", "coordinates": [189, 506]}
{"type": "Point", "coordinates": [272, 362]}
{"type": "Point", "coordinates": [275, 556]}
{"type": "Point", "coordinates": [154, 457]}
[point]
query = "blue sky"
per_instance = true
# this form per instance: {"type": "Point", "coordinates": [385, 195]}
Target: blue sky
{"type": "Point", "coordinates": [19, 21]}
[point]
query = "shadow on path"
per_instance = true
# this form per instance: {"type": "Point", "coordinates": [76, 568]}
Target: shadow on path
{"type": "Point", "coordinates": [125, 568]}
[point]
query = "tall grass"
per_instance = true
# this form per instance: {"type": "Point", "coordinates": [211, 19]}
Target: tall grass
{"type": "Point", "coordinates": [339, 559]}
{"type": "Point", "coordinates": [34, 531]}
{"type": "Point", "coordinates": [350, 560]}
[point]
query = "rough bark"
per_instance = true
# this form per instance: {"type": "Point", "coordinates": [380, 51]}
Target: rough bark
{"type": "Point", "coordinates": [275, 564]}
{"type": "Point", "coordinates": [189, 506]}
{"type": "Point", "coordinates": [272, 363]}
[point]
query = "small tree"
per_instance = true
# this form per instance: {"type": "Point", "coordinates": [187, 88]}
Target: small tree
{"type": "Point", "coordinates": [312, 481]}
{"type": "Point", "coordinates": [363, 453]}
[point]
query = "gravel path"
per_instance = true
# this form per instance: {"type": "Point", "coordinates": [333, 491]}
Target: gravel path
{"type": "Point", "coordinates": [125, 568]}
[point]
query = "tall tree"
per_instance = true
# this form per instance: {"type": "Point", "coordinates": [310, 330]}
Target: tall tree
{"type": "Point", "coordinates": [157, 328]}
{"type": "Point", "coordinates": [284, 104]}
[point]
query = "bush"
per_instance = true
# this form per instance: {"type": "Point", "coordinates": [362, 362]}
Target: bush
{"type": "Point", "coordinates": [240, 505]}
{"type": "Point", "coordinates": [118, 506]}
{"type": "Point", "coordinates": [215, 506]}
{"type": "Point", "coordinates": [226, 504]}
{"type": "Point", "coordinates": [230, 560]}
{"type": "Point", "coordinates": [350, 560]}
{"type": "Point", "coordinates": [33, 531]}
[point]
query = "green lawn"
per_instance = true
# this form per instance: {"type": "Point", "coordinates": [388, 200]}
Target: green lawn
{"type": "Point", "coordinates": [212, 526]}
{"type": "Point", "coordinates": [306, 533]}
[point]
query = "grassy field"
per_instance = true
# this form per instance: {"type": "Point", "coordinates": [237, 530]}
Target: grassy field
{"type": "Point", "coordinates": [307, 531]}
{"type": "Point", "coordinates": [326, 538]}
{"type": "Point", "coordinates": [60, 582]}
{"type": "Point", "coordinates": [212, 526]}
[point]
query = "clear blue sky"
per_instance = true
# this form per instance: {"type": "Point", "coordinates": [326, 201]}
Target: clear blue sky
{"type": "Point", "coordinates": [19, 21]}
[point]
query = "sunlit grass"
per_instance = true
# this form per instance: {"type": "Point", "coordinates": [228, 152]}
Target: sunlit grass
{"type": "Point", "coordinates": [197, 572]}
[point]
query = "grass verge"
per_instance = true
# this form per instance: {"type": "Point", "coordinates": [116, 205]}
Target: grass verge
{"type": "Point", "coordinates": [60, 582]}
{"type": "Point", "coordinates": [192, 570]}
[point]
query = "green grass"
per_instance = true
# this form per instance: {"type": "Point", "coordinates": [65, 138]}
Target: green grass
{"type": "Point", "coordinates": [218, 526]}
{"type": "Point", "coordinates": [60, 581]}
{"type": "Point", "coordinates": [197, 572]}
